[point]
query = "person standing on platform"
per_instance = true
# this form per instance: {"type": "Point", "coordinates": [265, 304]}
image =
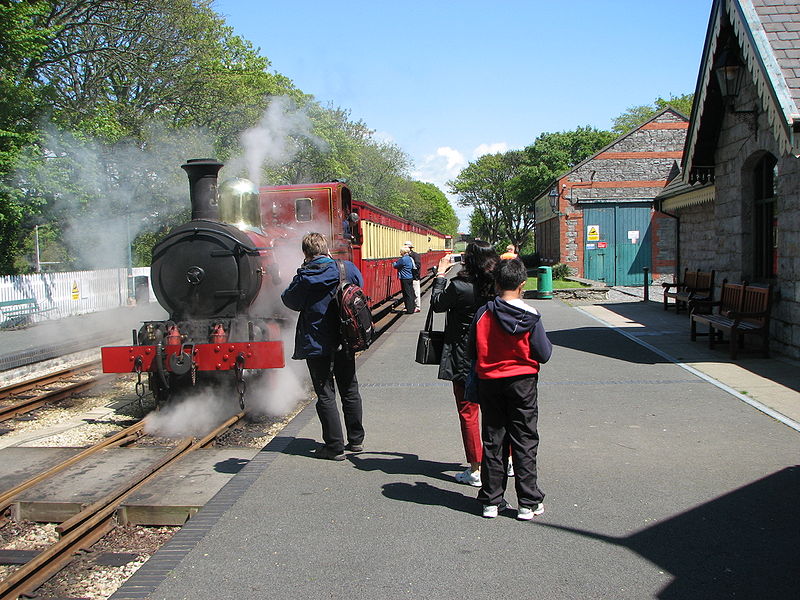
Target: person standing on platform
{"type": "Point", "coordinates": [405, 267]}
{"type": "Point", "coordinates": [471, 288]}
{"type": "Point", "coordinates": [416, 272]}
{"type": "Point", "coordinates": [317, 340]}
{"type": "Point", "coordinates": [509, 253]}
{"type": "Point", "coordinates": [508, 342]}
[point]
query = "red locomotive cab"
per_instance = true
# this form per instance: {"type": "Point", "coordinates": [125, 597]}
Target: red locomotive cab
{"type": "Point", "coordinates": [291, 211]}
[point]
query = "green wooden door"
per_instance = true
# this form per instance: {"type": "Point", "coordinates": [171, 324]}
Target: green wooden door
{"type": "Point", "coordinates": [599, 241]}
{"type": "Point", "coordinates": [633, 243]}
{"type": "Point", "coordinates": [617, 243]}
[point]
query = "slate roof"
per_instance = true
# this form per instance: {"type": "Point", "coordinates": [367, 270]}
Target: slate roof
{"type": "Point", "coordinates": [781, 22]}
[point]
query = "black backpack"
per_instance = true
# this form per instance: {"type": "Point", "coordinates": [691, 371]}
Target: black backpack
{"type": "Point", "coordinates": [355, 318]}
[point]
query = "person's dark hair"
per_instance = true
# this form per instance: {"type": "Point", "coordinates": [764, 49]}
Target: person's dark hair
{"type": "Point", "coordinates": [509, 273]}
{"type": "Point", "coordinates": [478, 263]}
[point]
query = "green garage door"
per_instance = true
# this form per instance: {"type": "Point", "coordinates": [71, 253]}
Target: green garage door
{"type": "Point", "coordinates": [617, 243]}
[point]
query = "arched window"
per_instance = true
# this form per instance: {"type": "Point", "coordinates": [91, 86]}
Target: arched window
{"type": "Point", "coordinates": [765, 223]}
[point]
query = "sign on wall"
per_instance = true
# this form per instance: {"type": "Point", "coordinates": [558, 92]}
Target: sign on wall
{"type": "Point", "coordinates": [593, 233]}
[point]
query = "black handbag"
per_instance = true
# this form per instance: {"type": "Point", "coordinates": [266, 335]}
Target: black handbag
{"type": "Point", "coordinates": [429, 343]}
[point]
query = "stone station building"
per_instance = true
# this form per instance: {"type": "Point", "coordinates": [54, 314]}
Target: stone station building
{"type": "Point", "coordinates": [737, 201]}
{"type": "Point", "coordinates": [598, 218]}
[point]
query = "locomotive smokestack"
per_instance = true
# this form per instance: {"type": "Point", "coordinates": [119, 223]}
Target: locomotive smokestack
{"type": "Point", "coordinates": [203, 187]}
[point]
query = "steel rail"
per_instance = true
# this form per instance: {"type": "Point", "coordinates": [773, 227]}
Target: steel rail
{"type": "Point", "coordinates": [24, 386]}
{"type": "Point", "coordinates": [30, 404]}
{"type": "Point", "coordinates": [85, 528]}
{"type": "Point", "coordinates": [7, 498]}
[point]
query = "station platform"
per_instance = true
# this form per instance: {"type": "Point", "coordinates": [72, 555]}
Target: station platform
{"type": "Point", "coordinates": [661, 481]}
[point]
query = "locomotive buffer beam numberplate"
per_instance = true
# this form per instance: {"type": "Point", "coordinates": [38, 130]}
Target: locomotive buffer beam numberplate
{"type": "Point", "coordinates": [207, 357]}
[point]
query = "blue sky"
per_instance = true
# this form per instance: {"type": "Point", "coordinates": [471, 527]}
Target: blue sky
{"type": "Point", "coordinates": [449, 80]}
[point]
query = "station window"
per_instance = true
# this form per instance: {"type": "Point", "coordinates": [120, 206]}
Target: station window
{"type": "Point", "coordinates": [303, 210]}
{"type": "Point", "coordinates": [765, 222]}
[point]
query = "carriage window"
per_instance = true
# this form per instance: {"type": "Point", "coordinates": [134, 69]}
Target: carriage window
{"type": "Point", "coordinates": [302, 210]}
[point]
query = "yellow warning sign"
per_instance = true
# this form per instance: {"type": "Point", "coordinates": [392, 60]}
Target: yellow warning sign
{"type": "Point", "coordinates": [76, 295]}
{"type": "Point", "coordinates": [593, 233]}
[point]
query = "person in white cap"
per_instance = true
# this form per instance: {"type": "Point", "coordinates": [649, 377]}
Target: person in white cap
{"type": "Point", "coordinates": [415, 272]}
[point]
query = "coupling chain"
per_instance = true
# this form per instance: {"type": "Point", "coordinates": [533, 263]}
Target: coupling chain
{"type": "Point", "coordinates": [241, 384]}
{"type": "Point", "coordinates": [140, 390]}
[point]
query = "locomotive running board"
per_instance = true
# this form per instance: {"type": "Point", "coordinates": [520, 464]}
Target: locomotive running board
{"type": "Point", "coordinates": [207, 357]}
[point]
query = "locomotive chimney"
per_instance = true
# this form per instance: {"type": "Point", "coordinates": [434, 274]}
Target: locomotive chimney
{"type": "Point", "coordinates": [203, 187]}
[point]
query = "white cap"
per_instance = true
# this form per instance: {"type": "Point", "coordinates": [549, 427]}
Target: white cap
{"type": "Point", "coordinates": [408, 243]}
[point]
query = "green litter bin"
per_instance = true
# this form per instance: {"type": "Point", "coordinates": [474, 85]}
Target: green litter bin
{"type": "Point", "coordinates": [544, 288]}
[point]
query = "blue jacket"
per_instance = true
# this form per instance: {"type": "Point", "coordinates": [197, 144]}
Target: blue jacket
{"type": "Point", "coordinates": [311, 292]}
{"type": "Point", "coordinates": [404, 266]}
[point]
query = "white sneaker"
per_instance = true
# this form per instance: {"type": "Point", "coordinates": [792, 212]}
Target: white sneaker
{"type": "Point", "coordinates": [490, 511]}
{"type": "Point", "coordinates": [470, 478]}
{"type": "Point", "coordinates": [526, 513]}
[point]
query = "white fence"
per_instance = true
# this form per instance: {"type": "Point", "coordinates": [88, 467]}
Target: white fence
{"type": "Point", "coordinates": [77, 292]}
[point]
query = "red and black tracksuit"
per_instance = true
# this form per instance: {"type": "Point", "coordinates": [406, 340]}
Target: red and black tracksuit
{"type": "Point", "coordinates": [508, 343]}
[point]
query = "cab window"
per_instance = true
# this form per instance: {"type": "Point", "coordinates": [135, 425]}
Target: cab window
{"type": "Point", "coordinates": [303, 210]}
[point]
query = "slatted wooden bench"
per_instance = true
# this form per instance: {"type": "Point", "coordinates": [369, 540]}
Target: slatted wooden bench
{"type": "Point", "coordinates": [695, 286]}
{"type": "Point", "coordinates": [741, 310]}
{"type": "Point", "coordinates": [18, 313]}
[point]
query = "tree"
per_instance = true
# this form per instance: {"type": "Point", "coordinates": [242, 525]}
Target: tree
{"type": "Point", "coordinates": [429, 205]}
{"type": "Point", "coordinates": [636, 115]}
{"type": "Point", "coordinates": [485, 185]}
{"type": "Point", "coordinates": [551, 155]}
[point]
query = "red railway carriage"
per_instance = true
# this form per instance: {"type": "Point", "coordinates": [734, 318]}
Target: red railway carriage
{"type": "Point", "coordinates": [220, 275]}
{"type": "Point", "coordinates": [369, 236]}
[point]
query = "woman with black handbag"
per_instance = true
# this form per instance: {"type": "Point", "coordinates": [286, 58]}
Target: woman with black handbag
{"type": "Point", "coordinates": [471, 288]}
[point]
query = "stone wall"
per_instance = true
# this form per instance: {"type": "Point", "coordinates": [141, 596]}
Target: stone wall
{"type": "Point", "coordinates": [719, 235]}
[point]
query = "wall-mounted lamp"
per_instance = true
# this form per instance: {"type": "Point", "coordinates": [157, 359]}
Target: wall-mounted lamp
{"type": "Point", "coordinates": [730, 73]}
{"type": "Point", "coordinates": [554, 199]}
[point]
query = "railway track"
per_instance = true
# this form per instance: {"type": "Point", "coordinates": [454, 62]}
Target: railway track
{"type": "Point", "coordinates": [93, 522]}
{"type": "Point", "coordinates": [26, 405]}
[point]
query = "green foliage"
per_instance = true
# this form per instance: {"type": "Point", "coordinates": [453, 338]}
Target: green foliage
{"type": "Point", "coordinates": [636, 115]}
{"type": "Point", "coordinates": [128, 90]}
{"type": "Point", "coordinates": [486, 186]}
{"type": "Point", "coordinates": [561, 271]}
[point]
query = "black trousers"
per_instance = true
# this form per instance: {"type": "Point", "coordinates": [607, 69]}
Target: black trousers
{"type": "Point", "coordinates": [407, 285]}
{"type": "Point", "coordinates": [509, 414]}
{"type": "Point", "coordinates": [340, 367]}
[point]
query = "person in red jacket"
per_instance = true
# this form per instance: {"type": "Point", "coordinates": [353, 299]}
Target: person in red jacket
{"type": "Point", "coordinates": [508, 343]}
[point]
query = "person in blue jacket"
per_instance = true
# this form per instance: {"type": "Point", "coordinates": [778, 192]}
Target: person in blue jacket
{"type": "Point", "coordinates": [317, 340]}
{"type": "Point", "coordinates": [405, 272]}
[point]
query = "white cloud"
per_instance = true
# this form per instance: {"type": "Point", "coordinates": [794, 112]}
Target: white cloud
{"type": "Point", "coordinates": [492, 148]}
{"type": "Point", "coordinates": [440, 167]}
{"type": "Point", "coordinates": [445, 164]}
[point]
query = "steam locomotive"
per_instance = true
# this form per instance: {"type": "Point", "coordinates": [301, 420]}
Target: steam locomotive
{"type": "Point", "coordinates": [219, 276]}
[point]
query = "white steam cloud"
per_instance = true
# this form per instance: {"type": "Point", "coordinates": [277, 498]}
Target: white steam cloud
{"type": "Point", "coordinates": [277, 137]}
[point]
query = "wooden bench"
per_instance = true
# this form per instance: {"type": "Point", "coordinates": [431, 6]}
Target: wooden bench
{"type": "Point", "coordinates": [18, 313]}
{"type": "Point", "coordinates": [695, 286]}
{"type": "Point", "coordinates": [741, 310]}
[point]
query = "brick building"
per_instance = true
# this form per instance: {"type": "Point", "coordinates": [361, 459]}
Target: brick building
{"type": "Point", "coordinates": [737, 202]}
{"type": "Point", "coordinates": [598, 218]}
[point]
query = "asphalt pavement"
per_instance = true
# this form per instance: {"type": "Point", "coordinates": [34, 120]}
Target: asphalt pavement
{"type": "Point", "coordinates": [660, 480]}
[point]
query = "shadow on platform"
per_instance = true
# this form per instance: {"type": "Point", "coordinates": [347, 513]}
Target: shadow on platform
{"type": "Point", "coordinates": [740, 545]}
